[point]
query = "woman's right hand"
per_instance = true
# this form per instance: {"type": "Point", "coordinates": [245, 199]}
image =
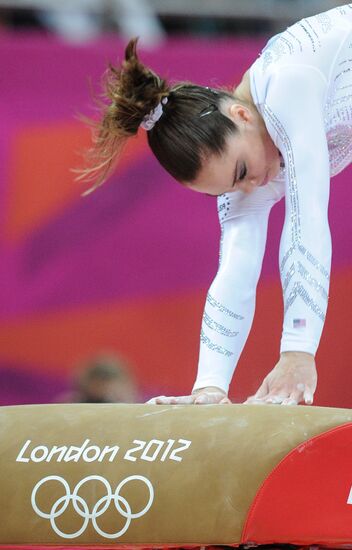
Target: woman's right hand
{"type": "Point", "coordinates": [203, 396]}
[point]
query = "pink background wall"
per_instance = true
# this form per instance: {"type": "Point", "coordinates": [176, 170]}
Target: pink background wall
{"type": "Point", "coordinates": [127, 268]}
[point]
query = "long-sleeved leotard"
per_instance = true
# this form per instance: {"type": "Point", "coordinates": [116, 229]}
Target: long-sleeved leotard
{"type": "Point", "coordinates": [302, 86]}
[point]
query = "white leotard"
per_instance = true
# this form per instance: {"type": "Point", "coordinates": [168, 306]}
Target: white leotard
{"type": "Point", "coordinates": [302, 86]}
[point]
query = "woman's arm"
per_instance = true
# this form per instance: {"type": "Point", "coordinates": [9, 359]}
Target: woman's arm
{"type": "Point", "coordinates": [294, 113]}
{"type": "Point", "coordinates": [230, 302]}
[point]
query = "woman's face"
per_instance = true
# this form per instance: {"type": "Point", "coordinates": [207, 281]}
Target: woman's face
{"type": "Point", "coordinates": [249, 160]}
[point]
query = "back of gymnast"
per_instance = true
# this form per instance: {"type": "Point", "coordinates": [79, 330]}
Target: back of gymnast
{"type": "Point", "coordinates": [282, 132]}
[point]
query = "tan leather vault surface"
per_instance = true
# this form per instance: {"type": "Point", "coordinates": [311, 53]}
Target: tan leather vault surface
{"type": "Point", "coordinates": [199, 469]}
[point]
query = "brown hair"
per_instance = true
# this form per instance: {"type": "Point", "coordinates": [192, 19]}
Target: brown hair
{"type": "Point", "coordinates": [190, 128]}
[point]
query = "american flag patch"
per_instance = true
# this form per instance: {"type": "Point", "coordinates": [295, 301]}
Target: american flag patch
{"type": "Point", "coordinates": [299, 323]}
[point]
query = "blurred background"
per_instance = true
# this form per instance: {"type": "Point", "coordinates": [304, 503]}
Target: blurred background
{"type": "Point", "coordinates": [101, 297]}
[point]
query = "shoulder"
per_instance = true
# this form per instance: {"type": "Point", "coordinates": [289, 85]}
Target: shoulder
{"type": "Point", "coordinates": [298, 80]}
{"type": "Point", "coordinates": [289, 98]}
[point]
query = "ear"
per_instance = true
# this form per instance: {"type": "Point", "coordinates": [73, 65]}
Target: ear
{"type": "Point", "coordinates": [240, 114]}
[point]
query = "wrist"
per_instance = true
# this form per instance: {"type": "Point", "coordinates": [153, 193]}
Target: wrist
{"type": "Point", "coordinates": [291, 343]}
{"type": "Point", "coordinates": [296, 354]}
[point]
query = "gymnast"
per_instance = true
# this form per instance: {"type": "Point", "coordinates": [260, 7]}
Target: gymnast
{"type": "Point", "coordinates": [282, 132]}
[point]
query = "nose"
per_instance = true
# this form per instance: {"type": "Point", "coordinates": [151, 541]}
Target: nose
{"type": "Point", "coordinates": [248, 185]}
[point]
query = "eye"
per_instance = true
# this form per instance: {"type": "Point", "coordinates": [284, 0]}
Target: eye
{"type": "Point", "coordinates": [243, 173]}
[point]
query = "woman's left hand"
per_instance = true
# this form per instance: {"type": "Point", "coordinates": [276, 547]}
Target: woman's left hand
{"type": "Point", "coordinates": [203, 396]}
{"type": "Point", "coordinates": [293, 380]}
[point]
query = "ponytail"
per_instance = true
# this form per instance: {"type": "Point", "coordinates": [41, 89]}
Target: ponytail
{"type": "Point", "coordinates": [184, 123]}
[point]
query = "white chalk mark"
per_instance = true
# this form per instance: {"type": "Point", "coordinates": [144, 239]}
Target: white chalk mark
{"type": "Point", "coordinates": [156, 412]}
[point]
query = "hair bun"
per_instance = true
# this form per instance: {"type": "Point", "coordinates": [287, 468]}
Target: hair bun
{"type": "Point", "coordinates": [131, 49]}
{"type": "Point", "coordinates": [131, 91]}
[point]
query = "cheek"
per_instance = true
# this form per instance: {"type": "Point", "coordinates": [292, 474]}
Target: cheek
{"type": "Point", "coordinates": [261, 161]}
{"type": "Point", "coordinates": [262, 156]}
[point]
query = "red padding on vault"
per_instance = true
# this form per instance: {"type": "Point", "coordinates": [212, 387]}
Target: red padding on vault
{"type": "Point", "coordinates": [307, 498]}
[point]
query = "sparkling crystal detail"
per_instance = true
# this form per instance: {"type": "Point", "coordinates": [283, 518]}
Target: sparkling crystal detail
{"type": "Point", "coordinates": [299, 290]}
{"type": "Point", "coordinates": [307, 254]}
{"type": "Point", "coordinates": [288, 277]}
{"type": "Point", "coordinates": [221, 243]}
{"type": "Point", "coordinates": [220, 307]}
{"type": "Point", "coordinates": [311, 281]}
{"type": "Point", "coordinates": [217, 327]}
{"type": "Point", "coordinates": [214, 347]}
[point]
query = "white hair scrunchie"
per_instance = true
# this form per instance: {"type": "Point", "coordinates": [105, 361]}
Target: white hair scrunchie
{"type": "Point", "coordinates": [152, 118]}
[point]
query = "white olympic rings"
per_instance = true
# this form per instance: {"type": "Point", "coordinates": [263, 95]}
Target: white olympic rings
{"type": "Point", "coordinates": [82, 508]}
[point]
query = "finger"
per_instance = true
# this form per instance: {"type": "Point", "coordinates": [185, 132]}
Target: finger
{"type": "Point", "coordinates": [182, 400]}
{"type": "Point", "coordinates": [162, 400]}
{"type": "Point", "coordinates": [308, 396]}
{"type": "Point", "coordinates": [249, 400]}
{"type": "Point", "coordinates": [252, 398]}
{"type": "Point", "coordinates": [201, 399]}
{"type": "Point", "coordinates": [289, 402]}
{"type": "Point", "coordinates": [225, 401]}
{"type": "Point", "coordinates": [275, 399]}
{"type": "Point", "coordinates": [253, 401]}
{"type": "Point", "coordinates": [275, 396]}
{"type": "Point", "coordinates": [152, 401]}
{"type": "Point", "coordinates": [295, 396]}
{"type": "Point", "coordinates": [208, 398]}
{"type": "Point", "coordinates": [166, 400]}
{"type": "Point", "coordinates": [263, 390]}
{"type": "Point", "coordinates": [286, 395]}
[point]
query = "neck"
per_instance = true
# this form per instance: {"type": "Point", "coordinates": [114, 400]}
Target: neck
{"type": "Point", "coordinates": [243, 93]}
{"type": "Point", "coordinates": [243, 90]}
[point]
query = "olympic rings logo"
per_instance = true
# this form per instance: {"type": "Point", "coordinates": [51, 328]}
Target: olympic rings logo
{"type": "Point", "coordinates": [81, 507]}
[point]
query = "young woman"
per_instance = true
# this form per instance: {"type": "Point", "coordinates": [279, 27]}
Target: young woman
{"type": "Point", "coordinates": [284, 131]}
